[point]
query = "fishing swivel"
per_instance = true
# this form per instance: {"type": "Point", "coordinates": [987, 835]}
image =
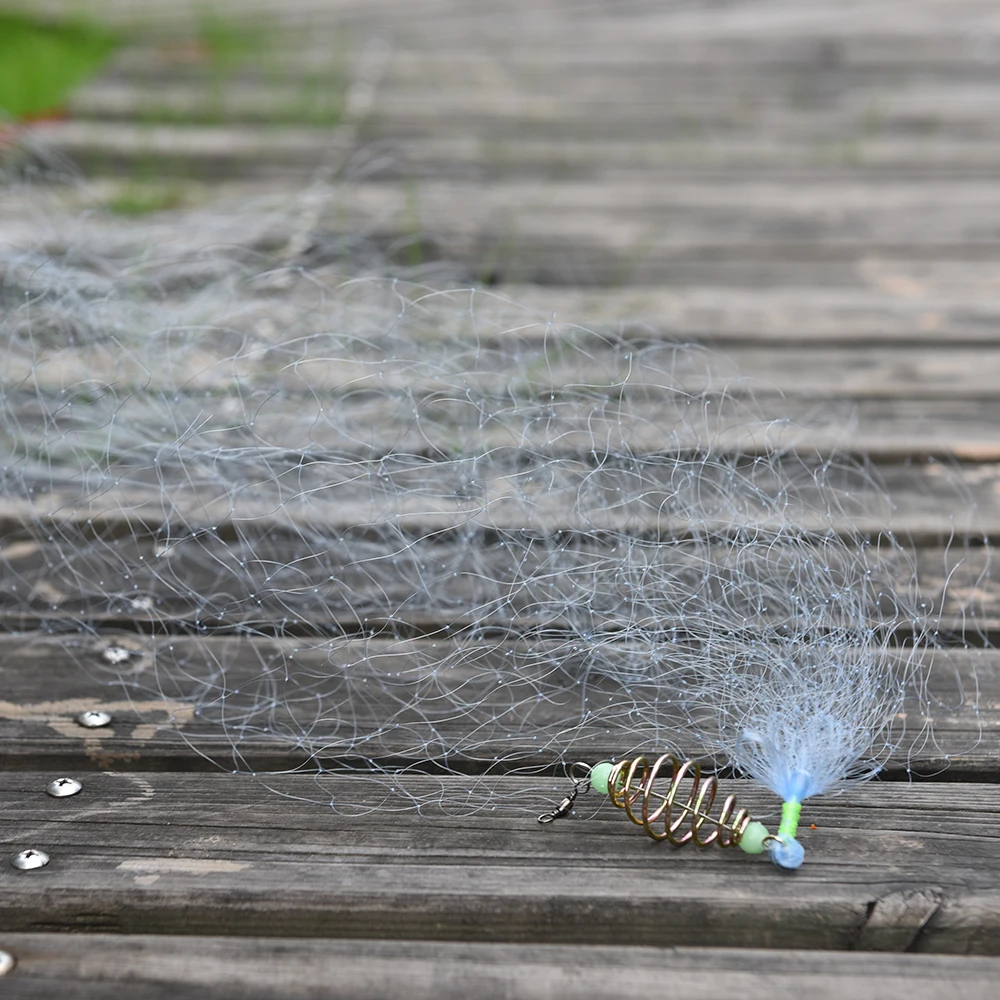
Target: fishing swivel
{"type": "Point", "coordinates": [581, 784]}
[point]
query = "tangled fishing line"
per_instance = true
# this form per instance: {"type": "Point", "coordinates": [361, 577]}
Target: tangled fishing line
{"type": "Point", "coordinates": [378, 532]}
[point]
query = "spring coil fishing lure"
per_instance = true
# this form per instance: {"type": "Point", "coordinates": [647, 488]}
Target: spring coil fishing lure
{"type": "Point", "coordinates": [649, 797]}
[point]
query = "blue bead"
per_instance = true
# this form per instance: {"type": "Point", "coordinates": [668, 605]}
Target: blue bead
{"type": "Point", "coordinates": [787, 853]}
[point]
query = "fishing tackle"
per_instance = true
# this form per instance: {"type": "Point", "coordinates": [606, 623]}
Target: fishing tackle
{"type": "Point", "coordinates": [636, 782]}
{"type": "Point", "coordinates": [449, 532]}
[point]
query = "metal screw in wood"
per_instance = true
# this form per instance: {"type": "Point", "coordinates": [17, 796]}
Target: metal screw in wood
{"type": "Point", "coordinates": [61, 788]}
{"type": "Point", "coordinates": [117, 654]}
{"type": "Point", "coordinates": [7, 962]}
{"type": "Point", "coordinates": [30, 859]}
{"type": "Point", "coordinates": [93, 719]}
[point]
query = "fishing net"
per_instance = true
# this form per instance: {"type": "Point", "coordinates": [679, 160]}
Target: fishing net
{"type": "Point", "coordinates": [378, 531]}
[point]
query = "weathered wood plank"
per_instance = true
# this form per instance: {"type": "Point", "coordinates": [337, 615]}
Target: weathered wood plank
{"type": "Point", "coordinates": [199, 854]}
{"type": "Point", "coordinates": [159, 967]}
{"type": "Point", "coordinates": [645, 229]}
{"type": "Point", "coordinates": [305, 580]}
{"type": "Point", "coordinates": [274, 689]}
{"type": "Point", "coordinates": [854, 130]}
{"type": "Point", "coordinates": [193, 153]}
{"type": "Point", "coordinates": [946, 109]}
{"type": "Point", "coordinates": [574, 365]}
{"type": "Point", "coordinates": [439, 22]}
{"type": "Point", "coordinates": [335, 487]}
{"type": "Point", "coordinates": [903, 312]}
{"type": "Point", "coordinates": [645, 217]}
{"type": "Point", "coordinates": [675, 234]}
{"type": "Point", "coordinates": [766, 19]}
{"type": "Point", "coordinates": [891, 425]}
{"type": "Point", "coordinates": [903, 304]}
{"type": "Point", "coordinates": [809, 98]}
{"type": "Point", "coordinates": [475, 155]}
{"type": "Point", "coordinates": [888, 302]}
{"type": "Point", "coordinates": [642, 221]}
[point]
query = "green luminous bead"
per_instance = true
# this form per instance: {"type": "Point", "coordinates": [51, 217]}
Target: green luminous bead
{"type": "Point", "coordinates": [752, 840]}
{"type": "Point", "coordinates": [599, 775]}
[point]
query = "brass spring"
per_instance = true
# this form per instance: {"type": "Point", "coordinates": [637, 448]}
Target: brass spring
{"type": "Point", "coordinates": [633, 782]}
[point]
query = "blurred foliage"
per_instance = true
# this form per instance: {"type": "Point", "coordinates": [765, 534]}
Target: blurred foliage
{"type": "Point", "coordinates": [41, 63]}
{"type": "Point", "coordinates": [215, 68]}
{"type": "Point", "coordinates": [144, 198]}
{"type": "Point", "coordinates": [222, 55]}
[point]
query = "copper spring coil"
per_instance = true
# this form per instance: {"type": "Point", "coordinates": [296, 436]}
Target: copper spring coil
{"type": "Point", "coordinates": [635, 781]}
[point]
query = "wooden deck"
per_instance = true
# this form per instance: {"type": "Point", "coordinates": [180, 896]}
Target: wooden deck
{"type": "Point", "coordinates": [811, 188]}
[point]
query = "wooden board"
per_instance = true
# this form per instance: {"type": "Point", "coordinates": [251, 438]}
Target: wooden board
{"type": "Point", "coordinates": [167, 853]}
{"type": "Point", "coordinates": [47, 681]}
{"type": "Point", "coordinates": [577, 366]}
{"type": "Point", "coordinates": [162, 966]}
{"type": "Point", "coordinates": [630, 227]}
{"type": "Point", "coordinates": [773, 17]}
{"type": "Point", "coordinates": [903, 303]}
{"type": "Point", "coordinates": [383, 582]}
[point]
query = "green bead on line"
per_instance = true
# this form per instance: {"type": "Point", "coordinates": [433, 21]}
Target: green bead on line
{"type": "Point", "coordinates": [754, 836]}
{"type": "Point", "coordinates": [600, 775]}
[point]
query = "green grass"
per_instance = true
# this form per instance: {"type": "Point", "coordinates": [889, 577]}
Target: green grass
{"type": "Point", "coordinates": [214, 62]}
{"type": "Point", "coordinates": [40, 63]}
{"type": "Point", "coordinates": [227, 43]}
{"type": "Point", "coordinates": [234, 53]}
{"type": "Point", "coordinates": [137, 198]}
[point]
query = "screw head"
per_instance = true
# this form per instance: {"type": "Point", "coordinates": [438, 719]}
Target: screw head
{"type": "Point", "coordinates": [30, 859]}
{"type": "Point", "coordinates": [93, 719]}
{"type": "Point", "coordinates": [63, 787]}
{"type": "Point", "coordinates": [116, 654]}
{"type": "Point", "coordinates": [7, 962]}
